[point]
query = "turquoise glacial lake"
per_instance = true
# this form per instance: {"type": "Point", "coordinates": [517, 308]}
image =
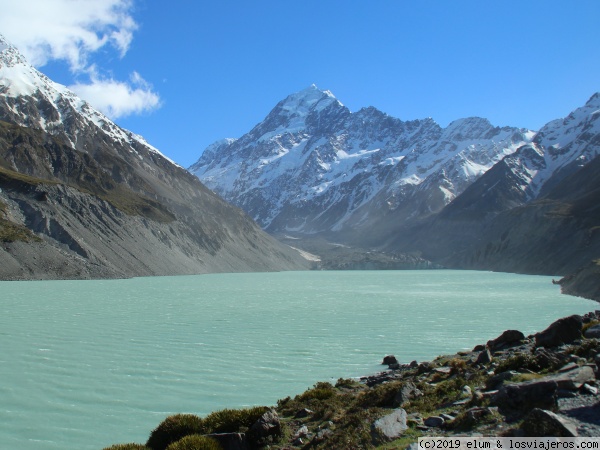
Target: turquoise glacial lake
{"type": "Point", "coordinates": [88, 364]}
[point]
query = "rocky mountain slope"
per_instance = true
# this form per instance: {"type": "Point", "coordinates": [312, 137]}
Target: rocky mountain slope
{"type": "Point", "coordinates": [313, 167]}
{"type": "Point", "coordinates": [536, 211]}
{"type": "Point", "coordinates": [81, 197]}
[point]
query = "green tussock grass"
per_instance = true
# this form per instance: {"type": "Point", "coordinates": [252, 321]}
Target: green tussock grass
{"type": "Point", "coordinates": [11, 232]}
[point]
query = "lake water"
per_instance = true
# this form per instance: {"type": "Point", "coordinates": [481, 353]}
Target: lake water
{"type": "Point", "coordinates": [86, 364]}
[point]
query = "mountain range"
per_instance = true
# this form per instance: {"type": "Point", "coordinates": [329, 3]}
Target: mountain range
{"type": "Point", "coordinates": [470, 195]}
{"type": "Point", "coordinates": [81, 197]}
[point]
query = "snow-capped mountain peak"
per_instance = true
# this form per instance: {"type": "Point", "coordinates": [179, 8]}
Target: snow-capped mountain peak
{"type": "Point", "coordinates": [61, 112]}
{"type": "Point", "coordinates": [312, 166]}
{"type": "Point", "coordinates": [308, 100]}
{"type": "Point", "coordinates": [4, 44]}
{"type": "Point", "coordinates": [298, 112]}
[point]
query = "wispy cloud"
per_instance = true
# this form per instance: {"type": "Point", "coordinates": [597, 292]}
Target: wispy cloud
{"type": "Point", "coordinates": [73, 31]}
{"type": "Point", "coordinates": [116, 98]}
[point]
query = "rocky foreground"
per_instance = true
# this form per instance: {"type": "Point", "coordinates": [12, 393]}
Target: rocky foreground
{"type": "Point", "coordinates": [515, 385]}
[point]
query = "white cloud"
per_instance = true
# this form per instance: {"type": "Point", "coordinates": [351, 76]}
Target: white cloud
{"type": "Point", "coordinates": [118, 99]}
{"type": "Point", "coordinates": [72, 31]}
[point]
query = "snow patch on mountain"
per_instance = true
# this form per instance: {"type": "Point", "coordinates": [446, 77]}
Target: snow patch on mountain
{"type": "Point", "coordinates": [312, 165]}
{"type": "Point", "coordinates": [558, 149]}
{"type": "Point", "coordinates": [19, 80]}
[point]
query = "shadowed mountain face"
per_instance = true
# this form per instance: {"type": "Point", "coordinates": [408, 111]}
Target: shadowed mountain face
{"type": "Point", "coordinates": [536, 211]}
{"type": "Point", "coordinates": [81, 197]}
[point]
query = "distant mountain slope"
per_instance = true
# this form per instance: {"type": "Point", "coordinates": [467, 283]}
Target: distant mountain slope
{"type": "Point", "coordinates": [536, 211]}
{"type": "Point", "coordinates": [81, 197]}
{"type": "Point", "coordinates": [313, 167]}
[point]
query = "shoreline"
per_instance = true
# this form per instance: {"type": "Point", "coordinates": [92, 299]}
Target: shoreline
{"type": "Point", "coordinates": [543, 384]}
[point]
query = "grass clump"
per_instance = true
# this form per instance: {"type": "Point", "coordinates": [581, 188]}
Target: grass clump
{"type": "Point", "coordinates": [467, 420]}
{"type": "Point", "coordinates": [130, 446]}
{"type": "Point", "coordinates": [174, 428]}
{"type": "Point", "coordinates": [518, 362]}
{"type": "Point", "coordinates": [346, 383]}
{"type": "Point", "coordinates": [321, 391]}
{"type": "Point", "coordinates": [195, 442]}
{"type": "Point", "coordinates": [382, 396]}
{"type": "Point", "coordinates": [410, 436]}
{"type": "Point", "coordinates": [11, 232]}
{"type": "Point", "coordinates": [437, 396]}
{"type": "Point", "coordinates": [588, 348]}
{"type": "Point", "coordinates": [522, 377]}
{"type": "Point", "coordinates": [457, 366]}
{"type": "Point", "coordinates": [232, 420]}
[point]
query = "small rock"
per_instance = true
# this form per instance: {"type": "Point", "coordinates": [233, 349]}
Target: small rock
{"type": "Point", "coordinates": [424, 367]}
{"type": "Point", "coordinates": [478, 348]}
{"type": "Point", "coordinates": [466, 392]}
{"type": "Point", "coordinates": [434, 422]}
{"type": "Point", "coordinates": [547, 359]}
{"type": "Point", "coordinates": [540, 422]}
{"type": "Point", "coordinates": [230, 441]}
{"type": "Point", "coordinates": [303, 431]}
{"type": "Point", "coordinates": [498, 379]}
{"type": "Point", "coordinates": [593, 332]}
{"type": "Point", "coordinates": [407, 392]}
{"type": "Point", "coordinates": [443, 370]}
{"type": "Point", "coordinates": [264, 429]}
{"type": "Point", "coordinates": [447, 417]}
{"type": "Point", "coordinates": [568, 367]}
{"type": "Point", "coordinates": [573, 379]}
{"type": "Point", "coordinates": [322, 435]}
{"type": "Point", "coordinates": [389, 359]}
{"type": "Point", "coordinates": [304, 412]}
{"type": "Point", "coordinates": [390, 427]}
{"type": "Point", "coordinates": [589, 389]}
{"type": "Point", "coordinates": [485, 357]}
{"type": "Point", "coordinates": [506, 339]}
{"type": "Point", "coordinates": [475, 415]}
{"type": "Point", "coordinates": [527, 395]}
{"type": "Point", "coordinates": [563, 331]}
{"type": "Point", "coordinates": [566, 393]}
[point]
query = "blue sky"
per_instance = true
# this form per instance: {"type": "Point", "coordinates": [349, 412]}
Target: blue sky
{"type": "Point", "coordinates": [186, 73]}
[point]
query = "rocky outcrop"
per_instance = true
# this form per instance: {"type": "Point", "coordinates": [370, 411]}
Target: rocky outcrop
{"type": "Point", "coordinates": [527, 395]}
{"type": "Point", "coordinates": [563, 331]}
{"type": "Point", "coordinates": [540, 422]}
